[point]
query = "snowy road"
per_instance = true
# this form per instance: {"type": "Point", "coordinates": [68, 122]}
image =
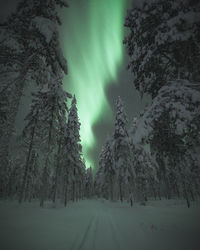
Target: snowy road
{"type": "Point", "coordinates": [100, 225]}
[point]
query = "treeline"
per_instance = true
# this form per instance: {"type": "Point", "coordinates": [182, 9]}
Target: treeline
{"type": "Point", "coordinates": [164, 49]}
{"type": "Point", "coordinates": [49, 162]}
{"type": "Point", "coordinates": [126, 170]}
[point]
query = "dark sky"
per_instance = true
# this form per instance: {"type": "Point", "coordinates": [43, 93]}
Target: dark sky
{"type": "Point", "coordinates": [124, 88]}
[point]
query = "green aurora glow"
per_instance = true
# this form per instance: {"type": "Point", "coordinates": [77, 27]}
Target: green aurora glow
{"type": "Point", "coordinates": [94, 51]}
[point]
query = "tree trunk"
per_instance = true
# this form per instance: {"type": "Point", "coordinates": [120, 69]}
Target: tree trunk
{"type": "Point", "coordinates": [28, 187]}
{"type": "Point", "coordinates": [45, 171]}
{"type": "Point", "coordinates": [167, 187]}
{"type": "Point", "coordinates": [192, 194]}
{"type": "Point", "coordinates": [26, 168]}
{"type": "Point", "coordinates": [57, 172]}
{"type": "Point", "coordinates": [65, 198]}
{"type": "Point", "coordinates": [43, 193]}
{"type": "Point", "coordinates": [120, 191]}
{"type": "Point", "coordinates": [154, 192]}
{"type": "Point", "coordinates": [159, 193]}
{"type": "Point", "coordinates": [15, 95]}
{"type": "Point", "coordinates": [73, 191]}
{"type": "Point", "coordinates": [185, 194]}
{"type": "Point", "coordinates": [111, 189]}
{"type": "Point", "coordinates": [177, 190]}
{"type": "Point", "coordinates": [3, 165]}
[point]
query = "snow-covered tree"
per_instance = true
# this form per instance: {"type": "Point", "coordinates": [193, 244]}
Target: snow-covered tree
{"type": "Point", "coordinates": [122, 153]}
{"type": "Point", "coordinates": [9, 79]}
{"type": "Point", "coordinates": [72, 170]}
{"type": "Point", "coordinates": [44, 123]}
{"type": "Point", "coordinates": [58, 159]}
{"type": "Point", "coordinates": [13, 177]}
{"type": "Point", "coordinates": [51, 121]}
{"type": "Point", "coordinates": [29, 43]}
{"type": "Point", "coordinates": [191, 164]}
{"type": "Point", "coordinates": [146, 183]}
{"type": "Point", "coordinates": [29, 142]}
{"type": "Point", "coordinates": [99, 176]}
{"type": "Point", "coordinates": [35, 25]}
{"type": "Point", "coordinates": [145, 169]}
{"type": "Point", "coordinates": [89, 183]}
{"type": "Point", "coordinates": [163, 43]}
{"type": "Point", "coordinates": [81, 179]}
{"type": "Point", "coordinates": [171, 126]}
{"type": "Point", "coordinates": [33, 178]}
{"type": "Point", "coordinates": [133, 126]}
{"type": "Point", "coordinates": [109, 169]}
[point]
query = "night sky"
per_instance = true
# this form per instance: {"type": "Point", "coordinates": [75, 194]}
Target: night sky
{"type": "Point", "coordinates": [91, 37]}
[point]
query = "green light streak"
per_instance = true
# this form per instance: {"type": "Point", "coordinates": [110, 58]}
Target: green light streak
{"type": "Point", "coordinates": [94, 50]}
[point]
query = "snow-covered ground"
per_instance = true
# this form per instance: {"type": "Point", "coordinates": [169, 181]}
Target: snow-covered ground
{"type": "Point", "coordinates": [100, 225]}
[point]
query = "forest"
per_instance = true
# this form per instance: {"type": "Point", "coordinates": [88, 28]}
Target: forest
{"type": "Point", "coordinates": [154, 157]}
{"type": "Point", "coordinates": [163, 46]}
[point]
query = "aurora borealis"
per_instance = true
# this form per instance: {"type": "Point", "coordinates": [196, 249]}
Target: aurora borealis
{"type": "Point", "coordinates": [91, 35]}
{"type": "Point", "coordinates": [92, 42]}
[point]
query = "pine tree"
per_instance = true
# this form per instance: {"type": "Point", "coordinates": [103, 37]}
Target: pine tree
{"type": "Point", "coordinates": [163, 43]}
{"type": "Point", "coordinates": [72, 156]}
{"type": "Point", "coordinates": [13, 177]}
{"type": "Point", "coordinates": [99, 176]}
{"type": "Point", "coordinates": [54, 101]}
{"type": "Point", "coordinates": [29, 137]}
{"type": "Point", "coordinates": [33, 178]}
{"type": "Point", "coordinates": [35, 25]}
{"type": "Point", "coordinates": [61, 138]}
{"type": "Point", "coordinates": [81, 179]}
{"type": "Point", "coordinates": [89, 183]}
{"type": "Point", "coordinates": [58, 164]}
{"type": "Point", "coordinates": [29, 44]}
{"type": "Point", "coordinates": [9, 77]}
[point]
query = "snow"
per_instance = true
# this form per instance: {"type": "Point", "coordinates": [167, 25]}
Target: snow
{"type": "Point", "coordinates": [46, 27]}
{"type": "Point", "coordinates": [179, 100]}
{"type": "Point", "coordinates": [100, 225]}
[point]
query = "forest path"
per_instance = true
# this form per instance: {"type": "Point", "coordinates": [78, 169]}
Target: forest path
{"type": "Point", "coordinates": [101, 232]}
{"type": "Point", "coordinates": [99, 225]}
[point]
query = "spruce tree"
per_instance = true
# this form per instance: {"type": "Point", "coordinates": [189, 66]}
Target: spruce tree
{"type": "Point", "coordinates": [163, 43]}
{"type": "Point", "coordinates": [89, 183]}
{"type": "Point", "coordinates": [73, 151]}
{"type": "Point", "coordinates": [110, 175]}
{"type": "Point", "coordinates": [99, 176]}
{"type": "Point", "coordinates": [122, 152]}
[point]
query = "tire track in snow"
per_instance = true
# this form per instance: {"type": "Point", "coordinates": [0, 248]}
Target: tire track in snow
{"type": "Point", "coordinates": [101, 233]}
{"type": "Point", "coordinates": [87, 241]}
{"type": "Point", "coordinates": [95, 233]}
{"type": "Point", "coordinates": [106, 237]}
{"type": "Point", "coordinates": [116, 235]}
